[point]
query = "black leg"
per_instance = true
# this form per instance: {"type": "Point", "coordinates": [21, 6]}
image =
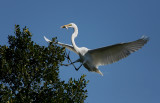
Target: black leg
{"type": "Point", "coordinates": [69, 60]}
{"type": "Point", "coordinates": [72, 63]}
{"type": "Point", "coordinates": [78, 67]}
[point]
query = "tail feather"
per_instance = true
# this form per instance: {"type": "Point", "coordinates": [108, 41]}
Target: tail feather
{"type": "Point", "coordinates": [99, 72]}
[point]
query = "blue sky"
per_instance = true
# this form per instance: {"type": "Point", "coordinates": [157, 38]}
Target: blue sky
{"type": "Point", "coordinates": [135, 79]}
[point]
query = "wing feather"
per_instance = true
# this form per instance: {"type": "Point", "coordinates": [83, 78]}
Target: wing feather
{"type": "Point", "coordinates": [70, 47]}
{"type": "Point", "coordinates": [113, 53]}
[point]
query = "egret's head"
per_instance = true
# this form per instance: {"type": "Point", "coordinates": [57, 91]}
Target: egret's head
{"type": "Point", "coordinates": [70, 25]}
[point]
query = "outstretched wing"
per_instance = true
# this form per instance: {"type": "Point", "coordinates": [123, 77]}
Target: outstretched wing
{"type": "Point", "coordinates": [70, 47]}
{"type": "Point", "coordinates": [113, 53]}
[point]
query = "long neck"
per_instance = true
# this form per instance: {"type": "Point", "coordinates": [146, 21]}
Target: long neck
{"type": "Point", "coordinates": [74, 35]}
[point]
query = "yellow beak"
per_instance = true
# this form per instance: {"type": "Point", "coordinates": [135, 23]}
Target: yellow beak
{"type": "Point", "coordinates": [64, 26]}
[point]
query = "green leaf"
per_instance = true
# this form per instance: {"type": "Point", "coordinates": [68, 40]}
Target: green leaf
{"type": "Point", "coordinates": [30, 72]}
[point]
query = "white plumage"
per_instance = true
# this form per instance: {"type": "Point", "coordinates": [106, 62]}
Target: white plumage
{"type": "Point", "coordinates": [91, 59]}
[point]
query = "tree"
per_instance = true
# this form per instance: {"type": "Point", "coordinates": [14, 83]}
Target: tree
{"type": "Point", "coordinates": [30, 72]}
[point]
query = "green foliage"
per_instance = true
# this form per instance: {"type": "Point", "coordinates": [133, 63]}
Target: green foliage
{"type": "Point", "coordinates": [30, 73]}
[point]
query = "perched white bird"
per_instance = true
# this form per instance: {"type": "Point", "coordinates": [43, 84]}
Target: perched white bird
{"type": "Point", "coordinates": [91, 59]}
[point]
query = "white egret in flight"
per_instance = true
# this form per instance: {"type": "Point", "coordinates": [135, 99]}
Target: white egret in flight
{"type": "Point", "coordinates": [91, 59]}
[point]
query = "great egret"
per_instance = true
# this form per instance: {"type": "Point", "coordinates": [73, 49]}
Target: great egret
{"type": "Point", "coordinates": [91, 59]}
